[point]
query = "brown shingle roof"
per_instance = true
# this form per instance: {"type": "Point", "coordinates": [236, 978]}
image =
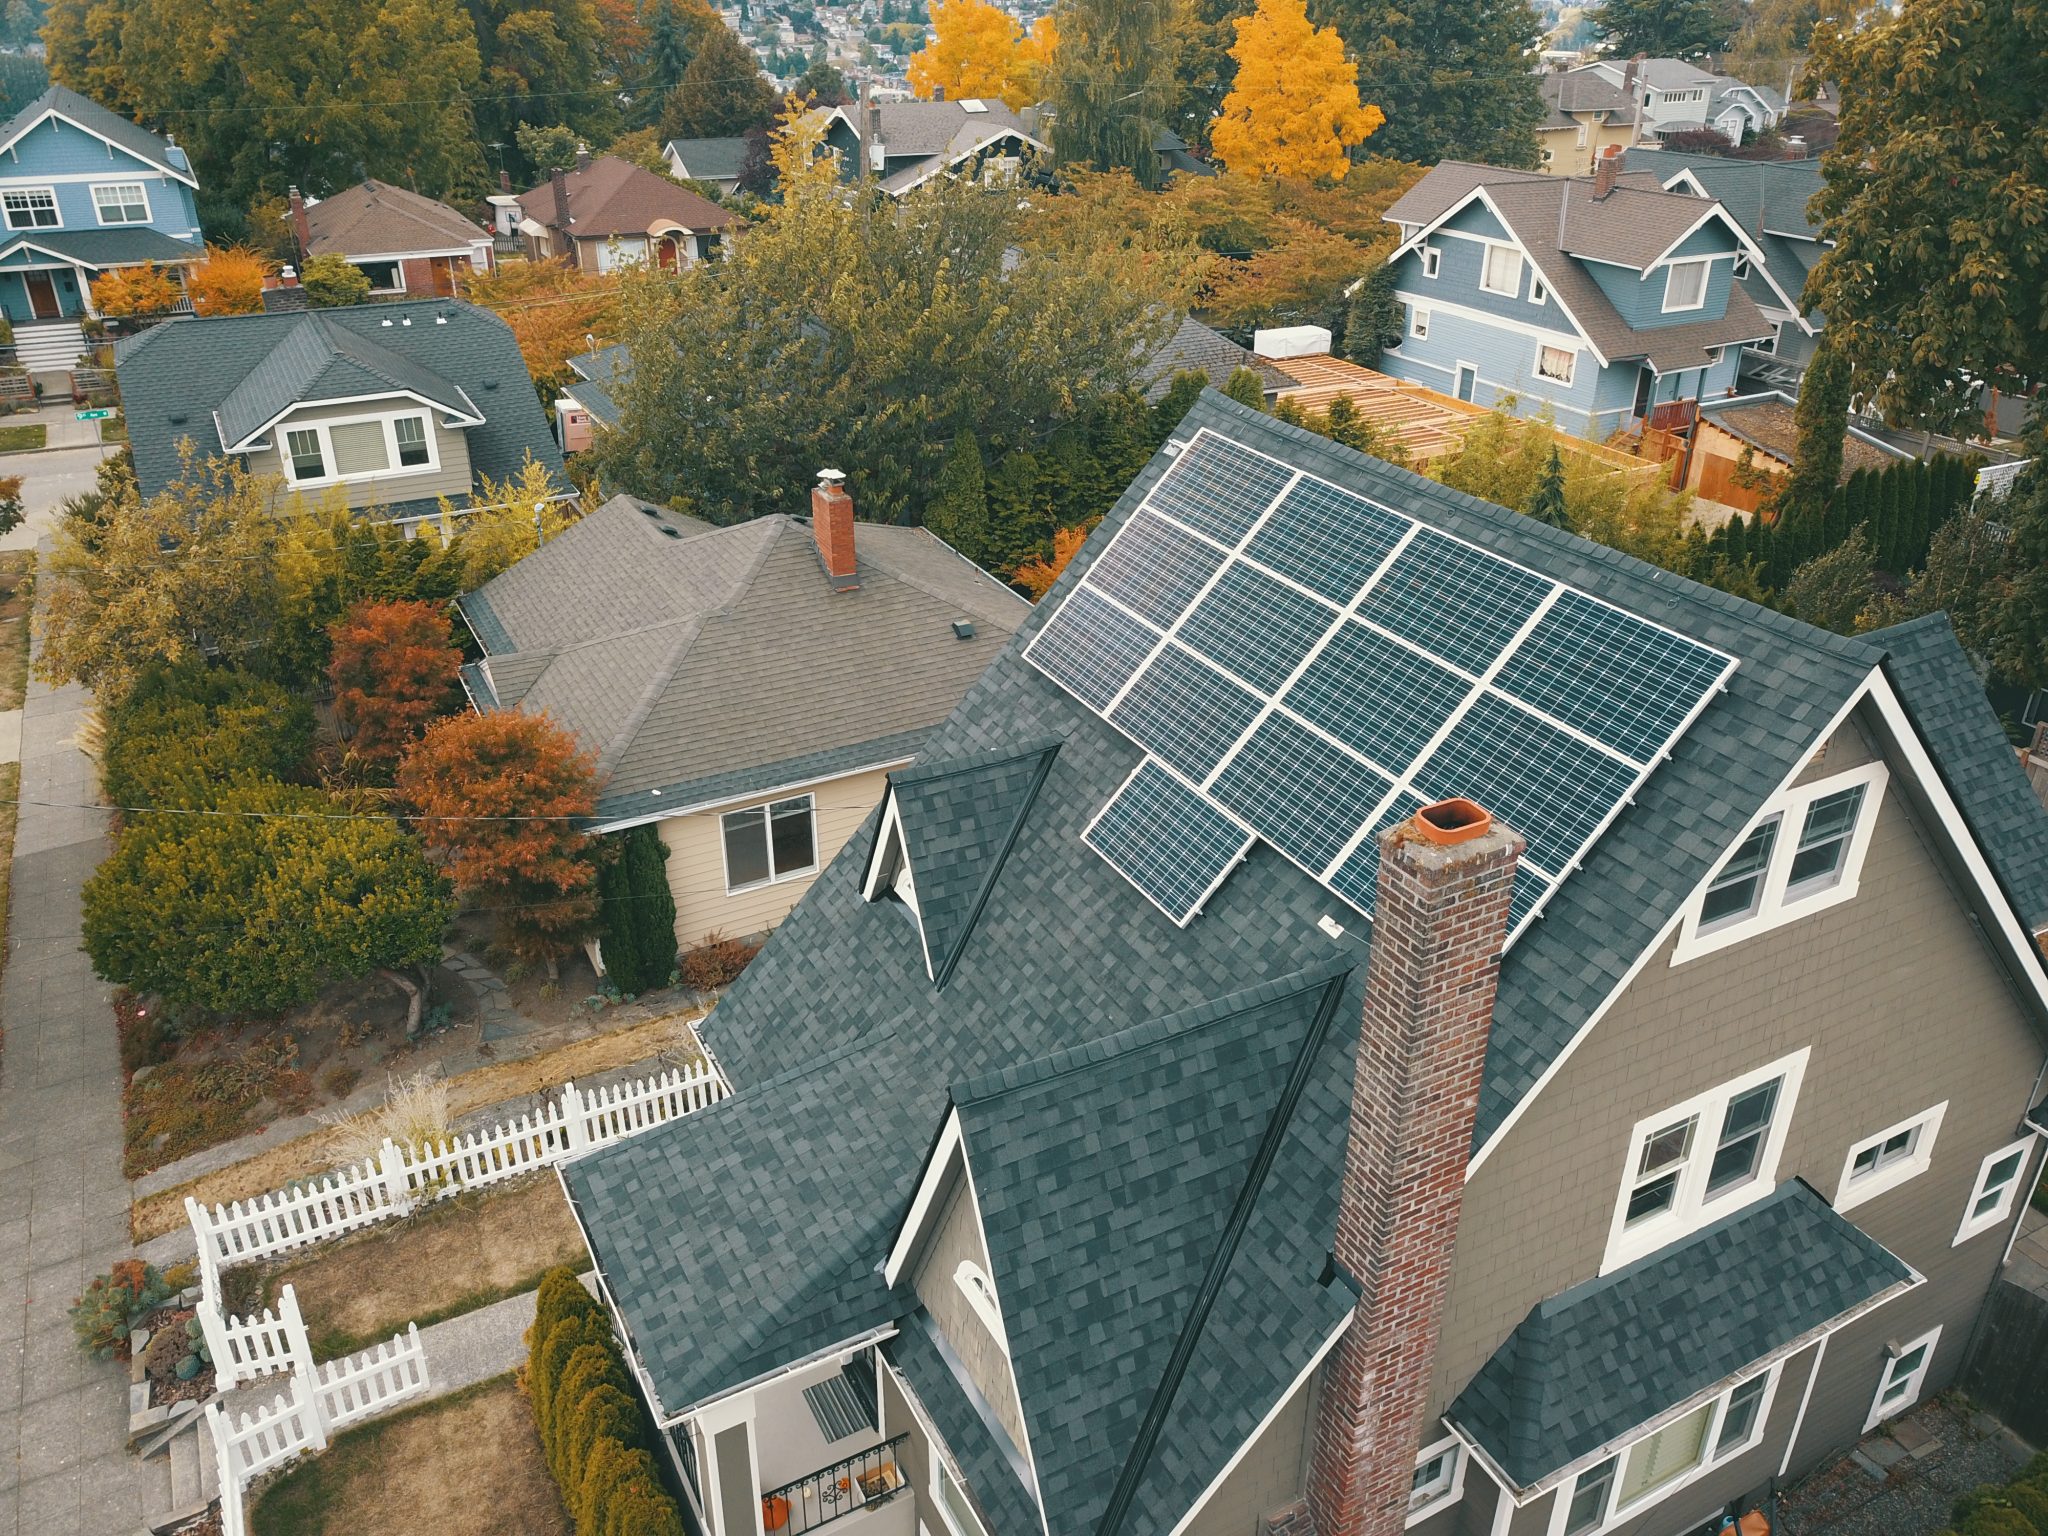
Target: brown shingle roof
{"type": "Point", "coordinates": [1770, 425]}
{"type": "Point", "coordinates": [375, 218]}
{"type": "Point", "coordinates": [615, 197]}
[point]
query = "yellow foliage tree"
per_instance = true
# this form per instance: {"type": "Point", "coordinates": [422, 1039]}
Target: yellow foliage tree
{"type": "Point", "coordinates": [1293, 109]}
{"type": "Point", "coordinates": [144, 290]}
{"type": "Point", "coordinates": [503, 530]}
{"type": "Point", "coordinates": [977, 51]}
{"type": "Point", "coordinates": [229, 281]}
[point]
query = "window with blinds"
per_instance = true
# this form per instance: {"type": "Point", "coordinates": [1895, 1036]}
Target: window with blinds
{"type": "Point", "coordinates": [1671, 1452]}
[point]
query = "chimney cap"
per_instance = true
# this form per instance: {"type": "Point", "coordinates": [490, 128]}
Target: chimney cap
{"type": "Point", "coordinates": [831, 476]}
{"type": "Point", "coordinates": [1456, 820]}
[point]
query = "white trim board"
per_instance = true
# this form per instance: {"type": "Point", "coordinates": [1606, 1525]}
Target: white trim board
{"type": "Point", "coordinates": [48, 113]}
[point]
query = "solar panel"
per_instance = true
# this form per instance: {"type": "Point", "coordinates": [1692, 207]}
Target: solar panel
{"type": "Point", "coordinates": [1376, 695]}
{"type": "Point", "coordinates": [1255, 626]}
{"type": "Point", "coordinates": [1168, 841]}
{"type": "Point", "coordinates": [1218, 488]}
{"type": "Point", "coordinates": [1357, 879]}
{"type": "Point", "coordinates": [1328, 540]}
{"type": "Point", "coordinates": [1091, 648]}
{"type": "Point", "coordinates": [1454, 600]}
{"type": "Point", "coordinates": [1185, 712]}
{"type": "Point", "coordinates": [1305, 796]}
{"type": "Point", "coordinates": [1154, 568]}
{"type": "Point", "coordinates": [1611, 675]}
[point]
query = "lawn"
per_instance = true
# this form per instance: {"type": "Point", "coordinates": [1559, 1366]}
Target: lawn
{"type": "Point", "coordinates": [468, 1464]}
{"type": "Point", "coordinates": [17, 593]}
{"type": "Point", "coordinates": [23, 436]}
{"type": "Point", "coordinates": [452, 1257]}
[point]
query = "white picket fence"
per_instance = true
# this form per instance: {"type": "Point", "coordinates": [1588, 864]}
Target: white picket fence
{"type": "Point", "coordinates": [318, 1400]}
{"type": "Point", "coordinates": [245, 1348]}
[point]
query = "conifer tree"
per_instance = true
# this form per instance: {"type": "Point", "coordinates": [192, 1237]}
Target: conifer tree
{"type": "Point", "coordinates": [638, 912]}
{"type": "Point", "coordinates": [1822, 418]}
{"type": "Point", "coordinates": [1246, 387]}
{"type": "Point", "coordinates": [1546, 505]}
{"type": "Point", "coordinates": [1178, 400]}
{"type": "Point", "coordinates": [959, 511]}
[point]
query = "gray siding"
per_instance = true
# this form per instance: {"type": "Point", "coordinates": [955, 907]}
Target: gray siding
{"type": "Point", "coordinates": [1272, 1473]}
{"type": "Point", "coordinates": [1640, 296]}
{"type": "Point", "coordinates": [1902, 1006]}
{"type": "Point", "coordinates": [1506, 361]}
{"type": "Point", "coordinates": [452, 479]}
{"type": "Point", "coordinates": [956, 1235]}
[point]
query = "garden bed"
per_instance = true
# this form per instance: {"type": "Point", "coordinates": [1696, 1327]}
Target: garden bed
{"type": "Point", "coordinates": [469, 1464]}
{"type": "Point", "coordinates": [448, 1258]}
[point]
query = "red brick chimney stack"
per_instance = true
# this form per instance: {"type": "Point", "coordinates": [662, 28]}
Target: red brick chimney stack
{"type": "Point", "coordinates": [832, 527]}
{"type": "Point", "coordinates": [1438, 924]}
{"type": "Point", "coordinates": [1604, 171]}
{"type": "Point", "coordinates": [302, 231]}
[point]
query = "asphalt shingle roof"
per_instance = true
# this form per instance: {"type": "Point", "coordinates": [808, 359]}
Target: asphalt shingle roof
{"type": "Point", "coordinates": [737, 1239]}
{"type": "Point", "coordinates": [1767, 422]}
{"type": "Point", "coordinates": [1194, 348]}
{"type": "Point", "coordinates": [996, 1481]}
{"type": "Point", "coordinates": [1768, 198]}
{"type": "Point", "coordinates": [623, 627]}
{"type": "Point", "coordinates": [599, 377]}
{"type": "Point", "coordinates": [1594, 1362]}
{"type": "Point", "coordinates": [374, 218]}
{"type": "Point", "coordinates": [94, 118]}
{"type": "Point", "coordinates": [175, 376]}
{"type": "Point", "coordinates": [611, 196]}
{"type": "Point", "coordinates": [102, 248]}
{"type": "Point", "coordinates": [710, 159]}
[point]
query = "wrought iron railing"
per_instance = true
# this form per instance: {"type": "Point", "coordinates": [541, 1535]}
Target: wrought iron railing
{"type": "Point", "coordinates": [875, 1476]}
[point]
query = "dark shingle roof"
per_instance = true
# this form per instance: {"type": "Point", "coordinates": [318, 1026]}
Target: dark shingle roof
{"type": "Point", "coordinates": [1194, 348]}
{"type": "Point", "coordinates": [316, 359]}
{"type": "Point", "coordinates": [621, 630]}
{"type": "Point", "coordinates": [374, 218]}
{"type": "Point", "coordinates": [600, 375]}
{"type": "Point", "coordinates": [1941, 691]}
{"type": "Point", "coordinates": [1763, 196]}
{"type": "Point", "coordinates": [102, 248]}
{"type": "Point", "coordinates": [94, 118]}
{"type": "Point", "coordinates": [710, 159]}
{"type": "Point", "coordinates": [1596, 1361]}
{"type": "Point", "coordinates": [996, 1480]}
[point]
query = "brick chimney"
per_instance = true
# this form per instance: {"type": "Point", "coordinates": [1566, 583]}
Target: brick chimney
{"type": "Point", "coordinates": [565, 244]}
{"type": "Point", "coordinates": [504, 181]}
{"type": "Point", "coordinates": [582, 157]}
{"type": "Point", "coordinates": [832, 527]}
{"type": "Point", "coordinates": [1604, 171]}
{"type": "Point", "coordinates": [302, 231]}
{"type": "Point", "coordinates": [1438, 925]}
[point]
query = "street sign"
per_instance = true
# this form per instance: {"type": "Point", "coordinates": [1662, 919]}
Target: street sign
{"type": "Point", "coordinates": [99, 415]}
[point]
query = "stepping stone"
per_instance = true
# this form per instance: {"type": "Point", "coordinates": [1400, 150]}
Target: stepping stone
{"type": "Point", "coordinates": [1878, 1456]}
{"type": "Point", "coordinates": [1917, 1442]}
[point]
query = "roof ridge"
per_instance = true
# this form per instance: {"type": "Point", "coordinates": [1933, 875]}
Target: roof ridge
{"type": "Point", "coordinates": [927, 772]}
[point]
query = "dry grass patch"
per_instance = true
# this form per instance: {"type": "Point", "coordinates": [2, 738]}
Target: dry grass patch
{"type": "Point", "coordinates": [451, 1257]}
{"type": "Point", "coordinates": [323, 1150]}
{"type": "Point", "coordinates": [17, 595]}
{"type": "Point", "coordinates": [468, 1464]}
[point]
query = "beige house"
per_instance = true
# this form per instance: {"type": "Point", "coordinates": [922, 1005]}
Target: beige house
{"type": "Point", "coordinates": [1585, 115]}
{"type": "Point", "coordinates": [746, 689]}
{"type": "Point", "coordinates": [1373, 1016]}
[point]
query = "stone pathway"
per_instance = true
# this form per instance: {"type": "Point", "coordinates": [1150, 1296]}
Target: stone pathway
{"type": "Point", "coordinates": [63, 1202]}
{"type": "Point", "coordinates": [497, 1019]}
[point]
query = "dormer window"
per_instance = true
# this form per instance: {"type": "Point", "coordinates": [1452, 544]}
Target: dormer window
{"type": "Point", "coordinates": [358, 448]}
{"type": "Point", "coordinates": [1685, 286]}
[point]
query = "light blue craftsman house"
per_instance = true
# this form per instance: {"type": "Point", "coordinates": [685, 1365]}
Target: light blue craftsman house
{"type": "Point", "coordinates": [1605, 301]}
{"type": "Point", "coordinates": [83, 191]}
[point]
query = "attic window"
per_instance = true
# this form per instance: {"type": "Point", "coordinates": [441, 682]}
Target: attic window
{"type": "Point", "coordinates": [980, 1292]}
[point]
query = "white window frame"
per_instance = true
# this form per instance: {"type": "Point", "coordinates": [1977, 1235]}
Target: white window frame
{"type": "Point", "coordinates": [1418, 322]}
{"type": "Point", "coordinates": [1582, 136]}
{"type": "Point", "coordinates": [1446, 1489]}
{"type": "Point", "coordinates": [1537, 291]}
{"type": "Point", "coordinates": [1776, 905]}
{"type": "Point", "coordinates": [1740, 269]}
{"type": "Point", "coordinates": [397, 272]}
{"type": "Point", "coordinates": [767, 810]}
{"type": "Point", "coordinates": [327, 456]}
{"type": "Point", "coordinates": [1853, 1189]}
{"type": "Point", "coordinates": [1692, 1206]}
{"type": "Point", "coordinates": [1974, 1223]}
{"type": "Point", "coordinates": [1571, 364]}
{"type": "Point", "coordinates": [1432, 260]}
{"type": "Point", "coordinates": [1915, 1379]}
{"type": "Point", "coordinates": [1711, 1456]}
{"type": "Point", "coordinates": [140, 189]}
{"type": "Point", "coordinates": [980, 1292]}
{"type": "Point", "coordinates": [1704, 267]}
{"type": "Point", "coordinates": [1514, 288]}
{"type": "Point", "coordinates": [7, 214]}
{"type": "Point", "coordinates": [940, 1470]}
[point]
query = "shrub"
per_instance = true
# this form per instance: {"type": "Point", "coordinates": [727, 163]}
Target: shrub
{"type": "Point", "coordinates": [187, 734]}
{"type": "Point", "coordinates": [638, 912]}
{"type": "Point", "coordinates": [228, 282]}
{"type": "Point", "coordinates": [414, 1115]}
{"type": "Point", "coordinates": [331, 279]}
{"type": "Point", "coordinates": [114, 1303]}
{"type": "Point", "coordinates": [715, 963]}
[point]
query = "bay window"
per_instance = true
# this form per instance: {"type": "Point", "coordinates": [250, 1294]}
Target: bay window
{"type": "Point", "coordinates": [1661, 1462]}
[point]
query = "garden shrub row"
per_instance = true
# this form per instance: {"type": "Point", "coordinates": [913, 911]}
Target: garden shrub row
{"type": "Point", "coordinates": [2017, 1508]}
{"type": "Point", "coordinates": [186, 735]}
{"type": "Point", "coordinates": [592, 1430]}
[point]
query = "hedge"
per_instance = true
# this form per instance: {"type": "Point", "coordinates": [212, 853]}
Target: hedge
{"type": "Point", "coordinates": [188, 734]}
{"type": "Point", "coordinates": [591, 1427]}
{"type": "Point", "coordinates": [2017, 1508]}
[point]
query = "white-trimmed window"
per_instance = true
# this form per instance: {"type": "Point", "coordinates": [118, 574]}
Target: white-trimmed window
{"type": "Point", "coordinates": [1557, 364]}
{"type": "Point", "coordinates": [1432, 260]}
{"type": "Point", "coordinates": [980, 1292]}
{"type": "Point", "coordinates": [1658, 1464]}
{"type": "Point", "coordinates": [1803, 856]}
{"type": "Point", "coordinates": [358, 448]}
{"type": "Point", "coordinates": [414, 449]}
{"type": "Point", "coordinates": [1741, 268]}
{"type": "Point", "coordinates": [1702, 1159]}
{"type": "Point", "coordinates": [1418, 323]}
{"type": "Point", "coordinates": [1582, 136]}
{"type": "Point", "coordinates": [30, 207]}
{"type": "Point", "coordinates": [305, 455]}
{"type": "Point", "coordinates": [1439, 1479]}
{"type": "Point", "coordinates": [1904, 1373]}
{"type": "Point", "coordinates": [385, 276]}
{"type": "Point", "coordinates": [768, 843]}
{"type": "Point", "coordinates": [1991, 1197]}
{"type": "Point", "coordinates": [1888, 1159]}
{"type": "Point", "coordinates": [1537, 291]}
{"type": "Point", "coordinates": [955, 1508]}
{"type": "Point", "coordinates": [1685, 285]}
{"type": "Point", "coordinates": [120, 202]}
{"type": "Point", "coordinates": [1501, 271]}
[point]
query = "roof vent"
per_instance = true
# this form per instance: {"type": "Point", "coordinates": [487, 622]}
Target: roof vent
{"type": "Point", "coordinates": [385, 322]}
{"type": "Point", "coordinates": [441, 317]}
{"type": "Point", "coordinates": [490, 383]}
{"type": "Point", "coordinates": [963, 629]}
{"type": "Point", "coordinates": [405, 320]}
{"type": "Point", "coordinates": [647, 510]}
{"type": "Point", "coordinates": [179, 420]}
{"type": "Point", "coordinates": [673, 533]}
{"type": "Point", "coordinates": [973, 104]}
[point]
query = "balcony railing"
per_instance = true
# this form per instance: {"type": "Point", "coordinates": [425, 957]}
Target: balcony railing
{"type": "Point", "coordinates": [875, 1476]}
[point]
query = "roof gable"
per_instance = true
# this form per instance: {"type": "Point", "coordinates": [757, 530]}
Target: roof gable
{"type": "Point", "coordinates": [374, 218]}
{"type": "Point", "coordinates": [314, 361]}
{"type": "Point", "coordinates": [83, 113]}
{"type": "Point", "coordinates": [611, 196]}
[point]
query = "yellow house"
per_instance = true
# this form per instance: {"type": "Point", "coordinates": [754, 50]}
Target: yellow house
{"type": "Point", "coordinates": [747, 689]}
{"type": "Point", "coordinates": [1584, 115]}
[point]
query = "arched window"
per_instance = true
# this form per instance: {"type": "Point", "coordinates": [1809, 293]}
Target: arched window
{"type": "Point", "coordinates": [981, 1295]}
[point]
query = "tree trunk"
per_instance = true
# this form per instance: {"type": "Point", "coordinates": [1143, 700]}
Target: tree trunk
{"type": "Point", "coordinates": [415, 999]}
{"type": "Point", "coordinates": [554, 966]}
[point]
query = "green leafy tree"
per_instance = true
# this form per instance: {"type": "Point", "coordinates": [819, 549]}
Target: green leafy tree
{"type": "Point", "coordinates": [187, 734]}
{"type": "Point", "coordinates": [722, 93]}
{"type": "Point", "coordinates": [1933, 198]}
{"type": "Point", "coordinates": [1822, 419]}
{"type": "Point", "coordinates": [1832, 590]}
{"type": "Point", "coordinates": [1546, 503]}
{"type": "Point", "coordinates": [547, 149]}
{"type": "Point", "coordinates": [258, 908]}
{"type": "Point", "coordinates": [331, 279]}
{"type": "Point", "coordinates": [541, 59]}
{"type": "Point", "coordinates": [1374, 319]}
{"type": "Point", "coordinates": [2021, 648]}
{"type": "Point", "coordinates": [638, 912]}
{"type": "Point", "coordinates": [1246, 387]}
{"type": "Point", "coordinates": [1179, 399]}
{"type": "Point", "coordinates": [821, 82]}
{"type": "Point", "coordinates": [1452, 76]}
{"type": "Point", "coordinates": [1114, 85]}
{"type": "Point", "coordinates": [1965, 575]}
{"type": "Point", "coordinates": [1205, 65]}
{"type": "Point", "coordinates": [959, 511]}
{"type": "Point", "coordinates": [1664, 29]}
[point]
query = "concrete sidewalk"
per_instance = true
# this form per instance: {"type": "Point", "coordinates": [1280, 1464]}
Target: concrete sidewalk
{"type": "Point", "coordinates": [64, 1469]}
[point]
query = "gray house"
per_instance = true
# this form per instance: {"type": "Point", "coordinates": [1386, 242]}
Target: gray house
{"type": "Point", "coordinates": [1372, 1015]}
{"type": "Point", "coordinates": [395, 405]}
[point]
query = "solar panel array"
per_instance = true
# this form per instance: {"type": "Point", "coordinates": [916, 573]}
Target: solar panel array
{"type": "Point", "coordinates": [1307, 666]}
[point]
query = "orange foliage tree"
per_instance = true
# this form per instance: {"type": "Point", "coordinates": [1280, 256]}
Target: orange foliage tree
{"type": "Point", "coordinates": [500, 797]}
{"type": "Point", "coordinates": [977, 50]}
{"type": "Point", "coordinates": [229, 281]}
{"type": "Point", "coordinates": [1037, 576]}
{"type": "Point", "coordinates": [394, 671]}
{"type": "Point", "coordinates": [144, 290]}
{"type": "Point", "coordinates": [554, 310]}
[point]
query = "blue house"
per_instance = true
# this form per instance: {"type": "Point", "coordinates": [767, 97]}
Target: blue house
{"type": "Point", "coordinates": [83, 191]}
{"type": "Point", "coordinates": [1604, 301]}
